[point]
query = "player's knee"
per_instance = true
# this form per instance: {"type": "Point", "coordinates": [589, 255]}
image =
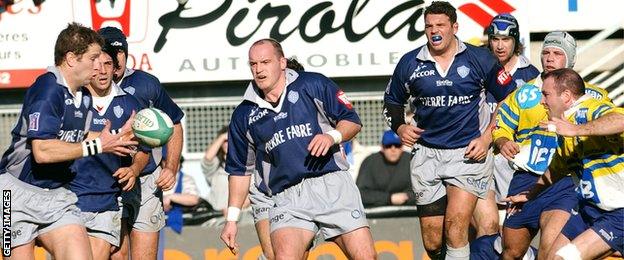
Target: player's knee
{"type": "Point", "coordinates": [569, 252]}
{"type": "Point", "coordinates": [436, 208]}
{"type": "Point", "coordinates": [513, 252]}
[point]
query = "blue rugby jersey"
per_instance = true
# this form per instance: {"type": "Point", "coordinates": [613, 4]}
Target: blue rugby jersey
{"type": "Point", "coordinates": [450, 106]}
{"type": "Point", "coordinates": [96, 188]}
{"type": "Point", "coordinates": [522, 73]}
{"type": "Point", "coordinates": [147, 90]}
{"type": "Point", "coordinates": [274, 141]}
{"type": "Point", "coordinates": [49, 111]}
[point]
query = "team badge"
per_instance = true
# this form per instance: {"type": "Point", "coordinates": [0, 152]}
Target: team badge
{"type": "Point", "coordinates": [118, 111]}
{"type": "Point", "coordinates": [293, 96]}
{"type": "Point", "coordinates": [520, 83]}
{"type": "Point", "coordinates": [86, 100]}
{"type": "Point", "coordinates": [33, 121]}
{"type": "Point", "coordinates": [130, 90]}
{"type": "Point", "coordinates": [342, 97]}
{"type": "Point", "coordinates": [463, 71]}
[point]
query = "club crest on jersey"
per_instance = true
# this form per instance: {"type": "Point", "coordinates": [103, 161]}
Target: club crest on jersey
{"type": "Point", "coordinates": [85, 101]}
{"type": "Point", "coordinates": [118, 111]}
{"type": "Point", "coordinates": [342, 98]}
{"type": "Point", "coordinates": [581, 116]}
{"type": "Point", "coordinates": [520, 83]}
{"type": "Point", "coordinates": [130, 90]}
{"type": "Point", "coordinates": [503, 77]}
{"type": "Point", "coordinates": [69, 101]}
{"type": "Point", "coordinates": [33, 121]}
{"type": "Point", "coordinates": [463, 71]}
{"type": "Point", "coordinates": [293, 96]}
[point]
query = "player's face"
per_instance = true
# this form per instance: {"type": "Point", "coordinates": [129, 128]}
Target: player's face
{"type": "Point", "coordinates": [102, 80]}
{"type": "Point", "coordinates": [554, 102]}
{"type": "Point", "coordinates": [88, 65]}
{"type": "Point", "coordinates": [502, 47]}
{"type": "Point", "coordinates": [552, 59]}
{"type": "Point", "coordinates": [392, 153]}
{"type": "Point", "coordinates": [440, 32]}
{"type": "Point", "coordinates": [266, 66]}
{"type": "Point", "coordinates": [121, 57]}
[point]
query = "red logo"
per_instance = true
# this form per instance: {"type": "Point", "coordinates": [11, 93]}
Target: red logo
{"type": "Point", "coordinates": [128, 15]}
{"type": "Point", "coordinates": [122, 20]}
{"type": "Point", "coordinates": [503, 77]}
{"type": "Point", "coordinates": [342, 97]}
{"type": "Point", "coordinates": [481, 16]}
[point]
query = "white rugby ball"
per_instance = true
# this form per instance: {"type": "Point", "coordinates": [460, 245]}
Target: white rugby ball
{"type": "Point", "coordinates": [152, 127]}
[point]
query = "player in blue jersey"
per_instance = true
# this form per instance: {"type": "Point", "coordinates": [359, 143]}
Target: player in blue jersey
{"type": "Point", "coordinates": [448, 80]}
{"type": "Point", "coordinates": [47, 138]}
{"type": "Point", "coordinates": [289, 128]}
{"type": "Point", "coordinates": [590, 146]}
{"type": "Point", "coordinates": [100, 179]}
{"type": "Point", "coordinates": [504, 42]}
{"type": "Point", "coordinates": [144, 215]}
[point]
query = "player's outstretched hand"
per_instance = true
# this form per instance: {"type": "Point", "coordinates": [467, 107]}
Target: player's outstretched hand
{"type": "Point", "coordinates": [166, 179]}
{"type": "Point", "coordinates": [320, 144]}
{"type": "Point", "coordinates": [409, 134]}
{"type": "Point", "coordinates": [126, 175]}
{"type": "Point", "coordinates": [561, 126]}
{"type": "Point", "coordinates": [515, 202]}
{"type": "Point", "coordinates": [120, 143]}
{"type": "Point", "coordinates": [509, 149]}
{"type": "Point", "coordinates": [228, 235]}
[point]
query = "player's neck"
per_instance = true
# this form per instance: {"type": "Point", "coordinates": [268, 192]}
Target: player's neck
{"type": "Point", "coordinates": [273, 95]}
{"type": "Point", "coordinates": [69, 78]}
{"type": "Point", "coordinates": [96, 92]}
{"type": "Point", "coordinates": [445, 54]}
{"type": "Point", "coordinates": [511, 63]}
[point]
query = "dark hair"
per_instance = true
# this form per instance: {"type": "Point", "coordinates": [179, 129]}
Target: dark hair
{"type": "Point", "coordinates": [221, 154]}
{"type": "Point", "coordinates": [76, 39]}
{"type": "Point", "coordinates": [442, 7]}
{"type": "Point", "coordinates": [276, 45]}
{"type": "Point", "coordinates": [566, 78]}
{"type": "Point", "coordinates": [294, 64]}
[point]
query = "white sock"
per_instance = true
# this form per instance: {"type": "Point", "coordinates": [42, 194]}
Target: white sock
{"type": "Point", "coordinates": [462, 253]}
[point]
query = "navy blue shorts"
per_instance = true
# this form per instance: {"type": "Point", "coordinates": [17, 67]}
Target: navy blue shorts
{"type": "Point", "coordinates": [560, 195]}
{"type": "Point", "coordinates": [609, 225]}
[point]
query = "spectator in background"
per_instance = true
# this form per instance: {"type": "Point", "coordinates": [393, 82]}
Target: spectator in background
{"type": "Point", "coordinates": [185, 193]}
{"type": "Point", "coordinates": [212, 166]}
{"type": "Point", "coordinates": [384, 177]}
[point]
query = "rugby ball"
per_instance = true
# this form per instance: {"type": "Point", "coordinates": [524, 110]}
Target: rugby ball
{"type": "Point", "coordinates": [152, 127]}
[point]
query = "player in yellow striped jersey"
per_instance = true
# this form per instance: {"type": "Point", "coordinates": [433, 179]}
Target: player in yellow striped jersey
{"type": "Point", "coordinates": [530, 150]}
{"type": "Point", "coordinates": [596, 157]}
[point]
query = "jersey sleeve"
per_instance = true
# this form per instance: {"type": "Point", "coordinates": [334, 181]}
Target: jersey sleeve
{"type": "Point", "coordinates": [397, 90]}
{"type": "Point", "coordinates": [163, 101]}
{"type": "Point", "coordinates": [335, 102]}
{"type": "Point", "coordinates": [45, 116]}
{"type": "Point", "coordinates": [507, 117]}
{"type": "Point", "coordinates": [241, 154]}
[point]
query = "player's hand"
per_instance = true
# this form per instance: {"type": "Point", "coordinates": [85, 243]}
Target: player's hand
{"type": "Point", "coordinates": [561, 126]}
{"type": "Point", "coordinates": [508, 149]}
{"type": "Point", "coordinates": [320, 144]}
{"type": "Point", "coordinates": [477, 148]}
{"type": "Point", "coordinates": [399, 198]}
{"type": "Point", "coordinates": [166, 179]}
{"type": "Point", "coordinates": [228, 235]}
{"type": "Point", "coordinates": [409, 134]}
{"type": "Point", "coordinates": [167, 203]}
{"type": "Point", "coordinates": [515, 202]}
{"type": "Point", "coordinates": [126, 175]}
{"type": "Point", "coordinates": [119, 144]}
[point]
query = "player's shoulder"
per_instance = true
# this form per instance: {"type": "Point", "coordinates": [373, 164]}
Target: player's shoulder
{"type": "Point", "coordinates": [243, 111]}
{"type": "Point", "coordinates": [140, 75]}
{"type": "Point", "coordinates": [45, 86]}
{"type": "Point", "coordinates": [596, 91]}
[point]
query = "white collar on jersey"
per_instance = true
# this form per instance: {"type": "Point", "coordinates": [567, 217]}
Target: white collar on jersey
{"type": "Point", "coordinates": [523, 62]}
{"type": "Point", "coordinates": [251, 93]}
{"type": "Point", "coordinates": [127, 73]}
{"type": "Point", "coordinates": [424, 53]}
{"type": "Point", "coordinates": [101, 104]}
{"type": "Point", "coordinates": [61, 81]}
{"type": "Point", "coordinates": [576, 105]}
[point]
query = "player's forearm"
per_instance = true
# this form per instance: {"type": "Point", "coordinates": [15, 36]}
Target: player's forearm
{"type": "Point", "coordinates": [609, 124]}
{"type": "Point", "coordinates": [174, 148]}
{"type": "Point", "coordinates": [139, 162]}
{"type": "Point", "coordinates": [54, 150]}
{"type": "Point", "coordinates": [238, 188]}
{"type": "Point", "coordinates": [348, 129]}
{"type": "Point", "coordinates": [184, 199]}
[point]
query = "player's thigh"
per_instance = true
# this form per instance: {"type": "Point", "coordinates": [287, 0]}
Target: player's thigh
{"type": "Point", "coordinates": [25, 251]}
{"type": "Point", "coordinates": [486, 215]}
{"type": "Point", "coordinates": [264, 235]}
{"type": "Point", "coordinates": [559, 242]}
{"type": "Point", "coordinates": [67, 242]}
{"type": "Point", "coordinates": [143, 245]}
{"type": "Point", "coordinates": [357, 244]}
{"type": "Point", "coordinates": [121, 252]}
{"type": "Point", "coordinates": [100, 248]}
{"type": "Point", "coordinates": [591, 245]}
{"type": "Point", "coordinates": [290, 242]}
{"type": "Point", "coordinates": [551, 224]}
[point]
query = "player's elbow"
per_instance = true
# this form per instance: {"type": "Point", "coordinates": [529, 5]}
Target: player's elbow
{"type": "Point", "coordinates": [41, 156]}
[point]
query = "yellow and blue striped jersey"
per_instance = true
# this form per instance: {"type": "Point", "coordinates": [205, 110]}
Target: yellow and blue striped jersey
{"type": "Point", "coordinates": [598, 161]}
{"type": "Point", "coordinates": [518, 120]}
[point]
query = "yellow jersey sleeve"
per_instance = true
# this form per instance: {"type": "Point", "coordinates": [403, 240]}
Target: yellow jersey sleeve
{"type": "Point", "coordinates": [507, 118]}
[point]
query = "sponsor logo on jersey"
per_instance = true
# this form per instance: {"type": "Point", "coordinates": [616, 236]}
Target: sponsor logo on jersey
{"type": "Point", "coordinates": [420, 74]}
{"type": "Point", "coordinates": [99, 121]}
{"type": "Point", "coordinates": [277, 218]}
{"type": "Point", "coordinates": [33, 121]}
{"type": "Point", "coordinates": [78, 114]}
{"type": "Point", "coordinates": [463, 71]}
{"type": "Point", "coordinates": [607, 235]}
{"type": "Point", "coordinates": [279, 116]}
{"type": "Point", "coordinates": [293, 96]}
{"type": "Point", "coordinates": [444, 83]}
{"type": "Point", "coordinates": [342, 98]}
{"type": "Point", "coordinates": [581, 116]}
{"type": "Point", "coordinates": [503, 77]}
{"type": "Point", "coordinates": [118, 111]}
{"type": "Point", "coordinates": [255, 115]}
